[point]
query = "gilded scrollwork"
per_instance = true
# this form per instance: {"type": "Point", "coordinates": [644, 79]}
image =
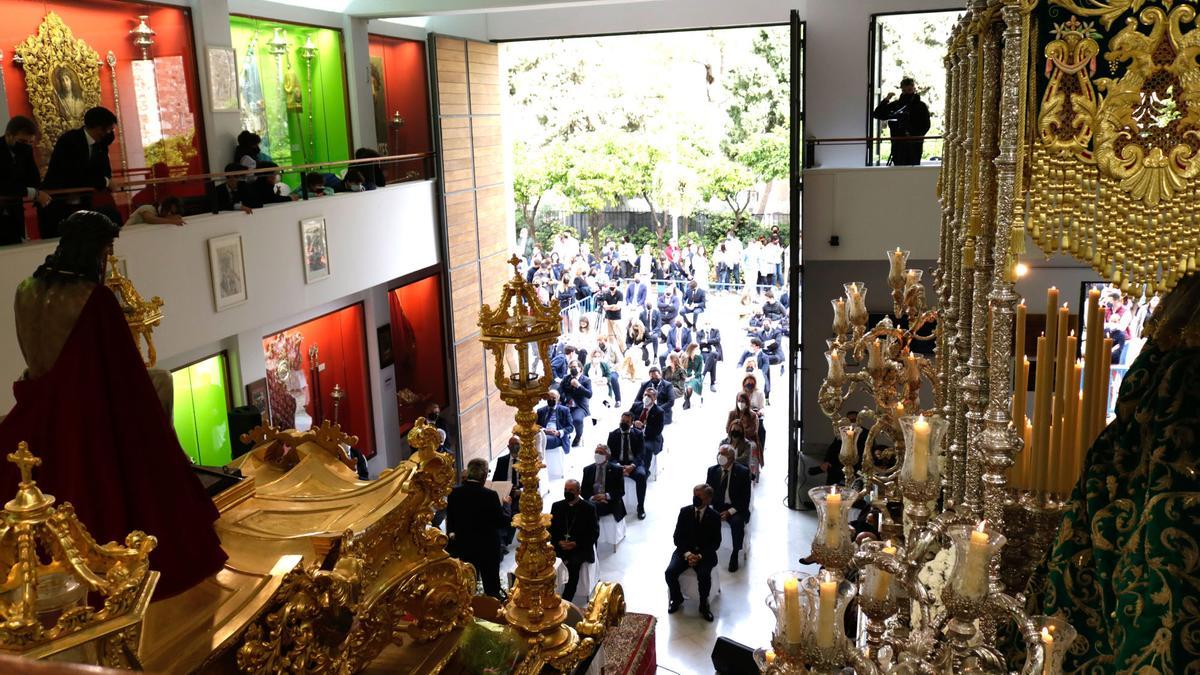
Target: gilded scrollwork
{"type": "Point", "coordinates": [62, 78]}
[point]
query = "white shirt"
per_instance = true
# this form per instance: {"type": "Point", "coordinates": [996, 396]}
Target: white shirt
{"type": "Point", "coordinates": [627, 252]}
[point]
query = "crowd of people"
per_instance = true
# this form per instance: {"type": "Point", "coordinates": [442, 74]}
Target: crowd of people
{"type": "Point", "coordinates": [79, 177]}
{"type": "Point", "coordinates": [626, 332]}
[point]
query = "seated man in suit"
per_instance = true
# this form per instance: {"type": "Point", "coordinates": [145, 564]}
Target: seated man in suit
{"type": "Point", "coordinates": [636, 292]}
{"type": "Point", "coordinates": [626, 446]}
{"type": "Point", "coordinates": [664, 393]}
{"type": "Point", "coordinates": [679, 337]}
{"type": "Point", "coordinates": [772, 334]}
{"type": "Point", "coordinates": [697, 538]}
{"type": "Point", "coordinates": [574, 529]}
{"type": "Point", "coordinates": [652, 321]}
{"type": "Point", "coordinates": [474, 519]}
{"type": "Point", "coordinates": [694, 301]}
{"type": "Point", "coordinates": [506, 470]}
{"type": "Point", "coordinates": [648, 418]}
{"type": "Point", "coordinates": [603, 485]}
{"type": "Point", "coordinates": [79, 160]}
{"type": "Point", "coordinates": [731, 481]}
{"type": "Point", "coordinates": [668, 305]}
{"type": "Point", "coordinates": [709, 339]}
{"type": "Point", "coordinates": [761, 361]}
{"type": "Point", "coordinates": [233, 193]}
{"type": "Point", "coordinates": [576, 392]}
{"type": "Point", "coordinates": [773, 309]}
{"type": "Point", "coordinates": [555, 420]}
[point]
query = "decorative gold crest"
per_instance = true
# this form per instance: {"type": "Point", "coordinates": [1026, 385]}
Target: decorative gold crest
{"type": "Point", "coordinates": [62, 78]}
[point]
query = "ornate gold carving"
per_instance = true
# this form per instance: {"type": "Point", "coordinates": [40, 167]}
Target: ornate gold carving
{"type": "Point", "coordinates": [62, 78]}
{"type": "Point", "coordinates": [142, 315]}
{"type": "Point", "coordinates": [53, 566]}
{"type": "Point", "coordinates": [1107, 10]}
{"type": "Point", "coordinates": [1069, 104]}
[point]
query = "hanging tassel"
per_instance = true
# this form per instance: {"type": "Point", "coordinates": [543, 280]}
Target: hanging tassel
{"type": "Point", "coordinates": [1017, 241]}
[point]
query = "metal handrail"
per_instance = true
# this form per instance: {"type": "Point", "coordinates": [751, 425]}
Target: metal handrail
{"type": "Point", "coordinates": [852, 140]}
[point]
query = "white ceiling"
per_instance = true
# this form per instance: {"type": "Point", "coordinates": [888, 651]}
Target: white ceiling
{"type": "Point", "coordinates": [403, 8]}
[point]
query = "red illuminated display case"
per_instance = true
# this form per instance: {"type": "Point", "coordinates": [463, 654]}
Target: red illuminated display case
{"type": "Point", "coordinates": [401, 93]}
{"type": "Point", "coordinates": [299, 388]}
{"type": "Point", "coordinates": [169, 122]}
{"type": "Point", "coordinates": [418, 345]}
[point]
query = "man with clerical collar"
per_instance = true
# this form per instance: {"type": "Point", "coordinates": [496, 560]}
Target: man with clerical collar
{"type": "Point", "coordinates": [574, 529]}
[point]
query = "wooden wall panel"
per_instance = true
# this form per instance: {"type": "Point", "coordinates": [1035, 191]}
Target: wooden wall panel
{"type": "Point", "coordinates": [476, 225]}
{"type": "Point", "coordinates": [471, 380]}
{"type": "Point", "coordinates": [475, 434]}
{"type": "Point", "coordinates": [464, 298]}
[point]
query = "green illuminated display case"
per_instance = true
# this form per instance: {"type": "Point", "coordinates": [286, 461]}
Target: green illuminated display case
{"type": "Point", "coordinates": [292, 89]}
{"type": "Point", "coordinates": [202, 411]}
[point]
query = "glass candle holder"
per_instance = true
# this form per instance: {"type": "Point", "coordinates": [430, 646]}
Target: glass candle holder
{"type": "Point", "coordinates": [826, 598]}
{"type": "Point", "coordinates": [923, 440]}
{"type": "Point", "coordinates": [1056, 636]}
{"type": "Point", "coordinates": [848, 455]}
{"type": "Point", "coordinates": [837, 367]}
{"type": "Point", "coordinates": [974, 548]}
{"type": "Point", "coordinates": [878, 585]}
{"type": "Point", "coordinates": [833, 545]}
{"type": "Point", "coordinates": [841, 320]}
{"type": "Point", "coordinates": [856, 302]}
{"type": "Point", "coordinates": [875, 357]}
{"type": "Point", "coordinates": [786, 602]}
{"type": "Point", "coordinates": [897, 259]}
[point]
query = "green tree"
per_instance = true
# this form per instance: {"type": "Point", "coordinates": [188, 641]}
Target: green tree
{"type": "Point", "coordinates": [535, 175]}
{"type": "Point", "coordinates": [730, 182]}
{"type": "Point", "coordinates": [595, 176]}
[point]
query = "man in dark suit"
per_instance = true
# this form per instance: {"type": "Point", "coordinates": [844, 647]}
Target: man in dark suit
{"type": "Point", "coordinates": [697, 537]}
{"type": "Point", "coordinates": [574, 529]}
{"type": "Point", "coordinates": [627, 448]}
{"type": "Point", "coordinates": [264, 190]}
{"type": "Point", "coordinates": [19, 178]}
{"type": "Point", "coordinates": [555, 421]}
{"type": "Point", "coordinates": [711, 351]}
{"type": "Point", "coordinates": [233, 194]}
{"type": "Point", "coordinates": [603, 485]}
{"type": "Point", "coordinates": [652, 320]}
{"type": "Point", "coordinates": [506, 470]}
{"type": "Point", "coordinates": [695, 299]}
{"type": "Point", "coordinates": [668, 305]}
{"type": "Point", "coordinates": [636, 292]}
{"type": "Point", "coordinates": [648, 418]}
{"type": "Point", "coordinates": [731, 484]}
{"type": "Point", "coordinates": [474, 519]}
{"type": "Point", "coordinates": [663, 392]}
{"type": "Point", "coordinates": [79, 160]}
{"type": "Point", "coordinates": [576, 392]}
{"type": "Point", "coordinates": [679, 337]}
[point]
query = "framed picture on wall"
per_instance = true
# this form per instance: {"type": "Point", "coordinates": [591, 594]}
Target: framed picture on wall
{"type": "Point", "coordinates": [384, 335]}
{"type": "Point", "coordinates": [222, 79]}
{"type": "Point", "coordinates": [228, 271]}
{"type": "Point", "coordinates": [256, 395]}
{"type": "Point", "coordinates": [315, 241]}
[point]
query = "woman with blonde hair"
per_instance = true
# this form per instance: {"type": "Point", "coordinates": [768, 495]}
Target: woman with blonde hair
{"type": "Point", "coordinates": [693, 364]}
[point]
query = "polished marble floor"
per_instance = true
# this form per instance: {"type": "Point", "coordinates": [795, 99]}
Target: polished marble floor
{"type": "Point", "coordinates": [776, 536]}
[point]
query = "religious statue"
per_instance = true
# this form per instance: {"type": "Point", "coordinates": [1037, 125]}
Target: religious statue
{"type": "Point", "coordinates": [88, 404]}
{"type": "Point", "coordinates": [1123, 569]}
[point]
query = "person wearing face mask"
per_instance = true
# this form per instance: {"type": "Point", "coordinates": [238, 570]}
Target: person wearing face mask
{"type": "Point", "coordinates": [474, 520]}
{"type": "Point", "coordinates": [762, 363]}
{"type": "Point", "coordinates": [575, 391]}
{"type": "Point", "coordinates": [506, 470]}
{"type": "Point", "coordinates": [711, 351]}
{"type": "Point", "coordinates": [697, 538]}
{"type": "Point", "coordinates": [574, 529]}
{"type": "Point", "coordinates": [79, 160]}
{"type": "Point", "coordinates": [610, 302]}
{"type": "Point", "coordinates": [907, 116]}
{"type": "Point", "coordinates": [678, 338]}
{"type": "Point", "coordinates": [353, 182]}
{"type": "Point", "coordinates": [555, 421]}
{"type": "Point", "coordinates": [19, 178]}
{"type": "Point", "coordinates": [731, 483]}
{"type": "Point", "coordinates": [648, 418]}
{"type": "Point", "coordinates": [627, 447]}
{"type": "Point", "coordinates": [744, 448]}
{"type": "Point", "coordinates": [603, 485]}
{"type": "Point", "coordinates": [664, 394]}
{"type": "Point", "coordinates": [668, 306]}
{"type": "Point", "coordinates": [695, 299]}
{"type": "Point", "coordinates": [651, 320]}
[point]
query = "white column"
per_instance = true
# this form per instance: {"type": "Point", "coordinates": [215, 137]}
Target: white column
{"type": "Point", "coordinates": [358, 81]}
{"type": "Point", "coordinates": [210, 28]}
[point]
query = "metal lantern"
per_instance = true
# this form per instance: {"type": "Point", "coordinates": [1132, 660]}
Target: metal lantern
{"type": "Point", "coordinates": [143, 36]}
{"type": "Point", "coordinates": [519, 333]}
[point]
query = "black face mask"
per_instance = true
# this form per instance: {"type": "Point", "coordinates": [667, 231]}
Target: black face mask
{"type": "Point", "coordinates": [514, 449]}
{"type": "Point", "coordinates": [735, 435]}
{"type": "Point", "coordinates": [625, 426]}
{"type": "Point", "coordinates": [697, 502]}
{"type": "Point", "coordinates": [108, 138]}
{"type": "Point", "coordinates": [568, 495]}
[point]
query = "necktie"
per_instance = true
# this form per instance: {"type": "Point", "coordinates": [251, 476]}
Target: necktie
{"type": "Point", "coordinates": [645, 414]}
{"type": "Point", "coordinates": [598, 488]}
{"type": "Point", "coordinates": [678, 339]}
{"type": "Point", "coordinates": [699, 514]}
{"type": "Point", "coordinates": [624, 447]}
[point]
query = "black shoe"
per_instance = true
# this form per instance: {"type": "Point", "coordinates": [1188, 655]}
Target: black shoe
{"type": "Point", "coordinates": [594, 421]}
{"type": "Point", "coordinates": [673, 607]}
{"type": "Point", "coordinates": [706, 613]}
{"type": "Point", "coordinates": [606, 405]}
{"type": "Point", "coordinates": [733, 561]}
{"type": "Point", "coordinates": [641, 514]}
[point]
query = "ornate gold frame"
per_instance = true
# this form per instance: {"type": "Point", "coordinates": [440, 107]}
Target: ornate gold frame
{"type": "Point", "coordinates": [46, 53]}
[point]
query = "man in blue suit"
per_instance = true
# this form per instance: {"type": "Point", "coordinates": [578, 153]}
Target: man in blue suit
{"type": "Point", "coordinates": [694, 302]}
{"type": "Point", "coordinates": [635, 292]}
{"type": "Point", "coordinates": [555, 421]}
{"type": "Point", "coordinates": [731, 484]}
{"type": "Point", "coordinates": [678, 339]}
{"type": "Point", "coordinates": [668, 305]}
{"type": "Point", "coordinates": [576, 390]}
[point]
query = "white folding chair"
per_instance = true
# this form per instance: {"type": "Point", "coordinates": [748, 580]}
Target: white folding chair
{"type": "Point", "coordinates": [612, 531]}
{"type": "Point", "coordinates": [690, 584]}
{"type": "Point", "coordinates": [589, 574]}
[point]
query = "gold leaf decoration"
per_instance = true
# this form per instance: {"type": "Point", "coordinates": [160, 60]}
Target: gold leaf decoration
{"type": "Point", "coordinates": [62, 78]}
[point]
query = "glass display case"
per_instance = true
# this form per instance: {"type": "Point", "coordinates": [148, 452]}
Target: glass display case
{"type": "Point", "coordinates": [418, 348]}
{"type": "Point", "coordinates": [201, 410]}
{"type": "Point", "coordinates": [400, 90]}
{"type": "Point", "coordinates": [292, 90]}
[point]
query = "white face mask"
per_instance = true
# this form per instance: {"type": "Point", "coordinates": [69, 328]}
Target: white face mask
{"type": "Point", "coordinates": [741, 406]}
{"type": "Point", "coordinates": [600, 459]}
{"type": "Point", "coordinates": [354, 188]}
{"type": "Point", "coordinates": [647, 402]}
{"type": "Point", "coordinates": [722, 460]}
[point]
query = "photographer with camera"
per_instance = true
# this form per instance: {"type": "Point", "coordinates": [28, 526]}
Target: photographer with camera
{"type": "Point", "coordinates": [906, 116]}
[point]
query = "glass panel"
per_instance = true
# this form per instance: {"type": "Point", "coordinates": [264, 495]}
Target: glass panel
{"type": "Point", "coordinates": [202, 411]}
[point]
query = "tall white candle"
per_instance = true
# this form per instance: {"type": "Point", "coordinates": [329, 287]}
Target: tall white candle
{"type": "Point", "coordinates": [792, 623]}
{"type": "Point", "coordinates": [833, 520]}
{"type": "Point", "coordinates": [975, 566]}
{"type": "Point", "coordinates": [920, 450]}
{"type": "Point", "coordinates": [825, 613]}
